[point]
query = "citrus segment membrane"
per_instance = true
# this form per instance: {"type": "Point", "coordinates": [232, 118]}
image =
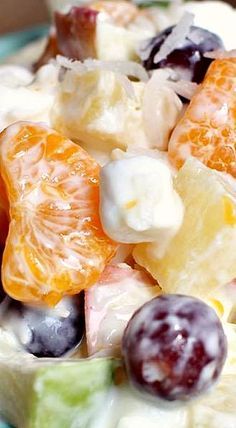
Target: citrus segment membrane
{"type": "Point", "coordinates": [56, 245]}
{"type": "Point", "coordinates": [207, 130]}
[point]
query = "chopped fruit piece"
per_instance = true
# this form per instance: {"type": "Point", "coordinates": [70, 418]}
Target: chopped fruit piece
{"type": "Point", "coordinates": [207, 130]}
{"type": "Point", "coordinates": [202, 256]}
{"type": "Point", "coordinates": [123, 255]}
{"type": "Point", "coordinates": [4, 214]}
{"type": "Point", "coordinates": [76, 32]}
{"type": "Point", "coordinates": [159, 103]}
{"type": "Point", "coordinates": [2, 293]}
{"type": "Point", "coordinates": [92, 32]}
{"type": "Point", "coordinates": [54, 394]}
{"type": "Point", "coordinates": [56, 245]}
{"type": "Point", "coordinates": [51, 51]}
{"type": "Point", "coordinates": [174, 347]}
{"type": "Point", "coordinates": [110, 304]}
{"type": "Point", "coordinates": [121, 12]}
{"type": "Point", "coordinates": [187, 60]}
{"type": "Point", "coordinates": [71, 394]}
{"type": "Point", "coordinates": [38, 98]}
{"type": "Point", "coordinates": [138, 202]}
{"type": "Point", "coordinates": [97, 108]}
{"type": "Point", "coordinates": [47, 332]}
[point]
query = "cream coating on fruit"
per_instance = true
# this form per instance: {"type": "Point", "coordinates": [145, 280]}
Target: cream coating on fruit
{"type": "Point", "coordinates": [138, 202]}
{"type": "Point", "coordinates": [24, 97]}
{"type": "Point", "coordinates": [194, 262]}
{"type": "Point", "coordinates": [111, 302]}
{"type": "Point", "coordinates": [55, 230]}
{"type": "Point", "coordinates": [174, 348]}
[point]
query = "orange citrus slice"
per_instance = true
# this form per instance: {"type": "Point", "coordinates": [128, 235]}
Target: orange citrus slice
{"type": "Point", "coordinates": [55, 245]}
{"type": "Point", "coordinates": [4, 216]}
{"type": "Point", "coordinates": [207, 130]}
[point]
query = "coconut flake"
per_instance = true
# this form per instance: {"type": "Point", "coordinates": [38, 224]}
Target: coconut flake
{"type": "Point", "coordinates": [176, 37]}
{"type": "Point", "coordinates": [220, 54]}
{"type": "Point", "coordinates": [184, 88]}
{"type": "Point", "coordinates": [128, 68]}
{"type": "Point", "coordinates": [145, 48]}
{"type": "Point", "coordinates": [127, 85]}
{"type": "Point", "coordinates": [168, 77]}
{"type": "Point", "coordinates": [196, 36]}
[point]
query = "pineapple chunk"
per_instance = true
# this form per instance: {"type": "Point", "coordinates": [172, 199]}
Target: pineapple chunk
{"type": "Point", "coordinates": [202, 256]}
{"type": "Point", "coordinates": [95, 107]}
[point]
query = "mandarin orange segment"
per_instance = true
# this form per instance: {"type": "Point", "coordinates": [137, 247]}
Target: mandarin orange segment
{"type": "Point", "coordinates": [4, 214]}
{"type": "Point", "coordinates": [207, 130]}
{"type": "Point", "coordinates": [56, 245]}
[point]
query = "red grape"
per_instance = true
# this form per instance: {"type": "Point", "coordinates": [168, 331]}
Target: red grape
{"type": "Point", "coordinates": [174, 347]}
{"type": "Point", "coordinates": [187, 60]}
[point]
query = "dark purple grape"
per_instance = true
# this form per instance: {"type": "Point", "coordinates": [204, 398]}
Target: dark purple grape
{"type": "Point", "coordinates": [188, 60]}
{"type": "Point", "coordinates": [174, 347]}
{"type": "Point", "coordinates": [46, 332]}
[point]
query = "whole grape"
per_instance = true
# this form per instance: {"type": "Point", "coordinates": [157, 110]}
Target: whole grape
{"type": "Point", "coordinates": [46, 332]}
{"type": "Point", "coordinates": [174, 347]}
{"type": "Point", "coordinates": [187, 60]}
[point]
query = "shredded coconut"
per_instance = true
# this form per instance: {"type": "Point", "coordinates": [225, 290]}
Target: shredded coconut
{"type": "Point", "coordinates": [145, 48]}
{"type": "Point", "coordinates": [176, 37]}
{"type": "Point", "coordinates": [128, 68]}
{"type": "Point", "coordinates": [183, 88]}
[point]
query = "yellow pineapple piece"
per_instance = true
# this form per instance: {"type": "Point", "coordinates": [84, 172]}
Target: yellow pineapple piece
{"type": "Point", "coordinates": [202, 256]}
{"type": "Point", "coordinates": [95, 107]}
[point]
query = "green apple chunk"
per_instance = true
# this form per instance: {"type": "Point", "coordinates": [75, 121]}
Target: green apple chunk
{"type": "Point", "coordinates": [70, 394]}
{"type": "Point", "coordinates": [53, 394]}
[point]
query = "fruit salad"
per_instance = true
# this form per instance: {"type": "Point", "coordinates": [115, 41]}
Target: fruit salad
{"type": "Point", "coordinates": [118, 220]}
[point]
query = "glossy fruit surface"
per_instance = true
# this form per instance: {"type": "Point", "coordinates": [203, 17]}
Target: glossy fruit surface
{"type": "Point", "coordinates": [56, 245]}
{"type": "Point", "coordinates": [71, 394]}
{"type": "Point", "coordinates": [207, 130]}
{"type": "Point", "coordinates": [187, 60]}
{"type": "Point", "coordinates": [202, 256]}
{"type": "Point", "coordinates": [4, 214]}
{"type": "Point", "coordinates": [46, 332]}
{"type": "Point", "coordinates": [111, 302]}
{"type": "Point", "coordinates": [2, 293]}
{"type": "Point", "coordinates": [76, 33]}
{"type": "Point", "coordinates": [174, 347]}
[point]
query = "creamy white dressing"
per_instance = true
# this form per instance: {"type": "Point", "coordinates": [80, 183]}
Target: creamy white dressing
{"type": "Point", "coordinates": [110, 304]}
{"type": "Point", "coordinates": [159, 103]}
{"type": "Point", "coordinates": [24, 97]}
{"type": "Point", "coordinates": [18, 328]}
{"type": "Point", "coordinates": [125, 408]}
{"type": "Point", "coordinates": [138, 202]}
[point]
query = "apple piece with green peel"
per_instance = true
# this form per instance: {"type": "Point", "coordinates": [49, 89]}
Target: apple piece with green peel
{"type": "Point", "coordinates": [48, 394]}
{"type": "Point", "coordinates": [70, 392]}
